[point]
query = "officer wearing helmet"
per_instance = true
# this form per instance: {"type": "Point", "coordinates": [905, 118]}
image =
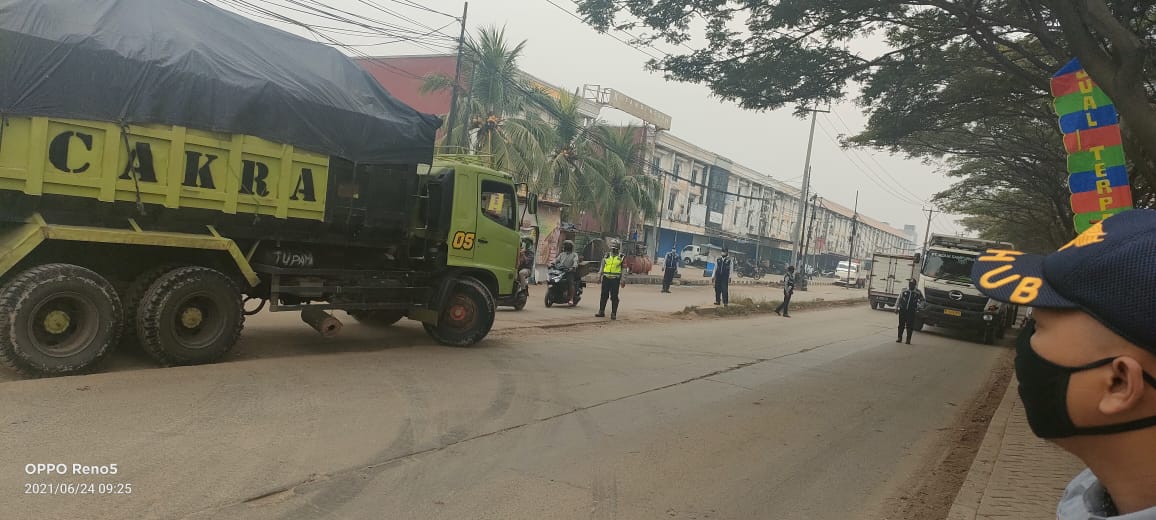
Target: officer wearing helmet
{"type": "Point", "coordinates": [611, 275]}
{"type": "Point", "coordinates": [567, 261]}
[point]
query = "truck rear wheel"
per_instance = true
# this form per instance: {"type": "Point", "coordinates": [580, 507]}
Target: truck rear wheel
{"type": "Point", "coordinates": [132, 296]}
{"type": "Point", "coordinates": [190, 316]}
{"type": "Point", "coordinates": [378, 318]}
{"type": "Point", "coordinates": [466, 317]}
{"type": "Point", "coordinates": [57, 319]}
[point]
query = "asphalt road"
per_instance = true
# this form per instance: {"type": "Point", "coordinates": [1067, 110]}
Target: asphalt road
{"type": "Point", "coordinates": [821, 416]}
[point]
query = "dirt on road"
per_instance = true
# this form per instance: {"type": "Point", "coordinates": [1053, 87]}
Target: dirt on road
{"type": "Point", "coordinates": [930, 492]}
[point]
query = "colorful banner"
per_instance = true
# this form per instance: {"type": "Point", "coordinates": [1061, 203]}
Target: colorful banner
{"type": "Point", "coordinates": [1098, 177]}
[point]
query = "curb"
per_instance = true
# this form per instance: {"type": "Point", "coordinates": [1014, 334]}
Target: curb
{"type": "Point", "coordinates": [657, 280]}
{"type": "Point", "coordinates": [764, 307]}
{"type": "Point", "coordinates": [1014, 474]}
{"type": "Point", "coordinates": [967, 501]}
{"type": "Point", "coordinates": [693, 310]}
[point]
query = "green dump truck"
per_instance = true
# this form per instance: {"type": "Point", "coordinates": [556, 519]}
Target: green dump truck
{"type": "Point", "coordinates": [149, 202]}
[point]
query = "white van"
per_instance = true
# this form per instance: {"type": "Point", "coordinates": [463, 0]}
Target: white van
{"type": "Point", "coordinates": [849, 273]}
{"type": "Point", "coordinates": [700, 255]}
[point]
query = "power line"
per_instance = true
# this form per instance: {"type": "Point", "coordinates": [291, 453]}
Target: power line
{"type": "Point", "coordinates": [624, 42]}
{"type": "Point", "coordinates": [415, 5]}
{"type": "Point", "coordinates": [878, 182]}
{"type": "Point", "coordinates": [431, 36]}
{"type": "Point", "coordinates": [877, 163]}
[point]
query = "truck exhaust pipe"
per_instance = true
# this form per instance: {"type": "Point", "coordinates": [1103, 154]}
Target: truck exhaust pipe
{"type": "Point", "coordinates": [323, 322]}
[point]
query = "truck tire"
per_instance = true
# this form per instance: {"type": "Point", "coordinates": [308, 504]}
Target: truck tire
{"type": "Point", "coordinates": [520, 301]}
{"type": "Point", "coordinates": [57, 319]}
{"type": "Point", "coordinates": [874, 306]}
{"type": "Point", "coordinates": [131, 298]}
{"type": "Point", "coordinates": [379, 318]}
{"type": "Point", "coordinates": [190, 316]}
{"type": "Point", "coordinates": [467, 317]}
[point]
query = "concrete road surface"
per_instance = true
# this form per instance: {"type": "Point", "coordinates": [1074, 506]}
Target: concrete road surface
{"type": "Point", "coordinates": [821, 416]}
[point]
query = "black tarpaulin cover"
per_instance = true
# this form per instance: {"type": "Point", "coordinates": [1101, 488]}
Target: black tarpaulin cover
{"type": "Point", "coordinates": [187, 63]}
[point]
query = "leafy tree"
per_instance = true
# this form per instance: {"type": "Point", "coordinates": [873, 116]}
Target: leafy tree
{"type": "Point", "coordinates": [951, 66]}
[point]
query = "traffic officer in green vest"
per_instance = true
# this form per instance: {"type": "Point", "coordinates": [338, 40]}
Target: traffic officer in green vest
{"type": "Point", "coordinates": [612, 280]}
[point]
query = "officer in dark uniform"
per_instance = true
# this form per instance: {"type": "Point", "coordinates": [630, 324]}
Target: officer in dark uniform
{"type": "Point", "coordinates": [722, 278]}
{"type": "Point", "coordinates": [784, 308]}
{"type": "Point", "coordinates": [669, 269]}
{"type": "Point", "coordinates": [906, 306]}
{"type": "Point", "coordinates": [612, 280]}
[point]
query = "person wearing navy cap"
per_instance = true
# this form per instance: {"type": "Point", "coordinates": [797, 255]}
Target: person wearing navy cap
{"type": "Point", "coordinates": [1085, 366]}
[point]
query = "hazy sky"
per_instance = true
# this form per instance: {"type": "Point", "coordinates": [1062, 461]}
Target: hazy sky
{"type": "Point", "coordinates": [562, 50]}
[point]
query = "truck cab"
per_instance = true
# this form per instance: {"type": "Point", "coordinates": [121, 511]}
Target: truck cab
{"type": "Point", "coordinates": [950, 299]}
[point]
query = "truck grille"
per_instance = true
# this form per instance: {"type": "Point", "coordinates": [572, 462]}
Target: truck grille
{"type": "Point", "coordinates": [943, 298]}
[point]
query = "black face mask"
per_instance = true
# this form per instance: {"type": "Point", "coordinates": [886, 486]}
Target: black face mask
{"type": "Point", "coordinates": [1044, 391]}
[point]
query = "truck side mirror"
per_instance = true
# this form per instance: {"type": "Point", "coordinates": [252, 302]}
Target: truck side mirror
{"type": "Point", "coordinates": [918, 257]}
{"type": "Point", "coordinates": [533, 203]}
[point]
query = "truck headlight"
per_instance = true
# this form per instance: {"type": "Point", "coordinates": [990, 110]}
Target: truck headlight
{"type": "Point", "coordinates": [988, 317]}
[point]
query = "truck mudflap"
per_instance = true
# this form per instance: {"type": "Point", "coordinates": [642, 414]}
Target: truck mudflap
{"type": "Point", "coordinates": [21, 240]}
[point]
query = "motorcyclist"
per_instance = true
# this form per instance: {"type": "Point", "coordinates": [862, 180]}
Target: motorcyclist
{"type": "Point", "coordinates": [567, 261]}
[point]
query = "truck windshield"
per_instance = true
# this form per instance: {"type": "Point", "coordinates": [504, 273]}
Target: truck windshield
{"type": "Point", "coordinates": [953, 267]}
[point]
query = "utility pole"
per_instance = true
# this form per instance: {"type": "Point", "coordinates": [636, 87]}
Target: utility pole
{"type": "Point", "coordinates": [453, 119]}
{"type": "Point", "coordinates": [762, 227]}
{"type": "Point", "coordinates": [927, 231]}
{"type": "Point", "coordinates": [807, 242]}
{"type": "Point", "coordinates": [815, 203]}
{"type": "Point", "coordinates": [851, 250]}
{"type": "Point", "coordinates": [797, 235]}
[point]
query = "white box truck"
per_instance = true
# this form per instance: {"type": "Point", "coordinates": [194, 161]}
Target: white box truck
{"type": "Point", "coordinates": [889, 276]}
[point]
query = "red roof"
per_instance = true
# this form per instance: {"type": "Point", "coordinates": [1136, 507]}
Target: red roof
{"type": "Point", "coordinates": [402, 77]}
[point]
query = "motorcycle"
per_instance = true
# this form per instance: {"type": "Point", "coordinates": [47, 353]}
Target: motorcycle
{"type": "Point", "coordinates": [558, 287]}
{"type": "Point", "coordinates": [750, 271]}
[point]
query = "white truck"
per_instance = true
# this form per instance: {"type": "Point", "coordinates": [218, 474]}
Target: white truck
{"type": "Point", "coordinates": [700, 255]}
{"type": "Point", "coordinates": [850, 274]}
{"type": "Point", "coordinates": [950, 299]}
{"type": "Point", "coordinates": [889, 277]}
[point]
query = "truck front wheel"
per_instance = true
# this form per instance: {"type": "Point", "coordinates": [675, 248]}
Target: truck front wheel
{"type": "Point", "coordinates": [190, 316]}
{"type": "Point", "coordinates": [57, 319]}
{"type": "Point", "coordinates": [467, 315]}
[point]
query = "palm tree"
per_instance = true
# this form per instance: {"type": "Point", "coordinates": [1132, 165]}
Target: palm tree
{"type": "Point", "coordinates": [495, 93]}
{"type": "Point", "coordinates": [569, 144]}
{"type": "Point", "coordinates": [621, 185]}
